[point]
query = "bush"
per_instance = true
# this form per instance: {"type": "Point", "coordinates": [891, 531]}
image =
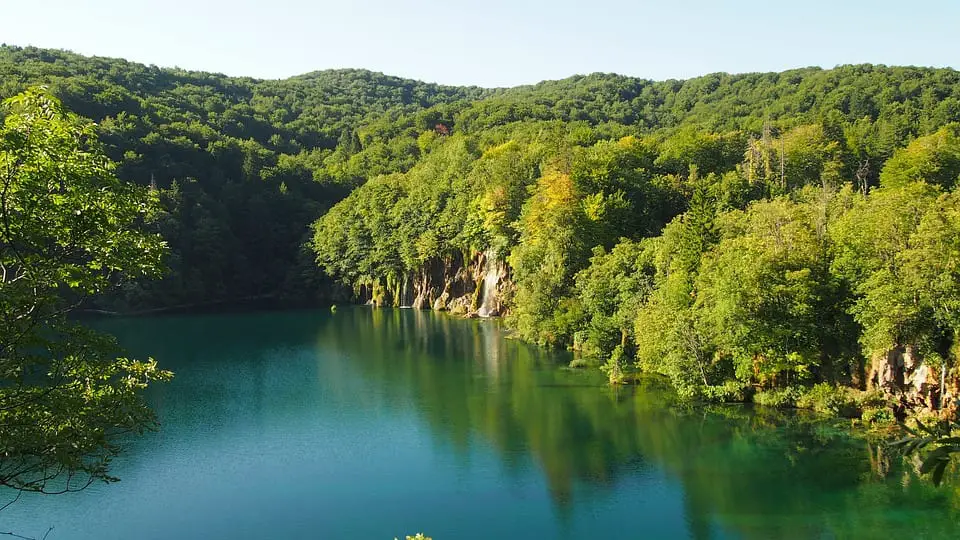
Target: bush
{"type": "Point", "coordinates": [732, 391]}
{"type": "Point", "coordinates": [614, 367]}
{"type": "Point", "coordinates": [878, 415]}
{"type": "Point", "coordinates": [577, 363]}
{"type": "Point", "coordinates": [871, 399]}
{"type": "Point", "coordinates": [781, 398]}
{"type": "Point", "coordinates": [829, 399]}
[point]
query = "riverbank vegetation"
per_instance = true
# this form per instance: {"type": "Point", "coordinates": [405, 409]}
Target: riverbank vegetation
{"type": "Point", "coordinates": [793, 253]}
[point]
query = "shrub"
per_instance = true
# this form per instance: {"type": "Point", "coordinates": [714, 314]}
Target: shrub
{"type": "Point", "coordinates": [731, 391]}
{"type": "Point", "coordinates": [781, 398]}
{"type": "Point", "coordinates": [614, 367]}
{"type": "Point", "coordinates": [878, 415]}
{"type": "Point", "coordinates": [829, 399]}
{"type": "Point", "coordinates": [577, 363]}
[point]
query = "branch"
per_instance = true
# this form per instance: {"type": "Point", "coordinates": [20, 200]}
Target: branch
{"type": "Point", "coordinates": [15, 499]}
{"type": "Point", "coordinates": [15, 535]}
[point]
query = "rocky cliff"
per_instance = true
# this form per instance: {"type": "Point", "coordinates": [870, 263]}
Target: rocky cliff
{"type": "Point", "coordinates": [473, 285]}
{"type": "Point", "coordinates": [903, 374]}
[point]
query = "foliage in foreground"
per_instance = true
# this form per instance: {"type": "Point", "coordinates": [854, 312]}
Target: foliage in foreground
{"type": "Point", "coordinates": [936, 442]}
{"type": "Point", "coordinates": [68, 230]}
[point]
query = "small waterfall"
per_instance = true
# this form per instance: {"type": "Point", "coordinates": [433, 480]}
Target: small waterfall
{"type": "Point", "coordinates": [488, 307]}
{"type": "Point", "coordinates": [406, 294]}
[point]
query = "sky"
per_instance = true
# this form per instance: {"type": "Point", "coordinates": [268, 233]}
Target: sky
{"type": "Point", "coordinates": [493, 42]}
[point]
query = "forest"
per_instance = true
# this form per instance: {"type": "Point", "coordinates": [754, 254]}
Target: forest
{"type": "Point", "coordinates": [791, 239]}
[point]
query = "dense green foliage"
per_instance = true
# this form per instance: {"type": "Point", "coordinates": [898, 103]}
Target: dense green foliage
{"type": "Point", "coordinates": [941, 436]}
{"type": "Point", "coordinates": [742, 235]}
{"type": "Point", "coordinates": [68, 229]}
{"type": "Point", "coordinates": [728, 231]}
{"type": "Point", "coordinates": [242, 166]}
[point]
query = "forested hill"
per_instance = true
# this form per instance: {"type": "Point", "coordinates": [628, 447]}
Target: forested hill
{"type": "Point", "coordinates": [908, 99]}
{"type": "Point", "coordinates": [243, 166]}
{"type": "Point", "coordinates": [311, 109]}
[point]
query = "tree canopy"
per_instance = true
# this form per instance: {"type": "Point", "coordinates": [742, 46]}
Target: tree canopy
{"type": "Point", "coordinates": [69, 229]}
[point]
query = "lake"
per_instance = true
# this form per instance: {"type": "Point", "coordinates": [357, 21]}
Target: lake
{"type": "Point", "coordinates": [378, 423]}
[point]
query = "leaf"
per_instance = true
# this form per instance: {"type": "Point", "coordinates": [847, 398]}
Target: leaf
{"type": "Point", "coordinates": [950, 442]}
{"type": "Point", "coordinates": [901, 442]}
{"type": "Point", "coordinates": [938, 472]}
{"type": "Point", "coordinates": [938, 455]}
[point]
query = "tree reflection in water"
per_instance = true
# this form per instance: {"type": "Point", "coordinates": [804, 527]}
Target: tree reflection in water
{"type": "Point", "coordinates": [757, 472]}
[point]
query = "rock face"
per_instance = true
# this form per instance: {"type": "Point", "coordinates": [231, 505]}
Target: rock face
{"type": "Point", "coordinates": [475, 286]}
{"type": "Point", "coordinates": [902, 373]}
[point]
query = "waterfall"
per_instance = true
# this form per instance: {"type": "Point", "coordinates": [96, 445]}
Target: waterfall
{"type": "Point", "coordinates": [488, 307]}
{"type": "Point", "coordinates": [406, 295]}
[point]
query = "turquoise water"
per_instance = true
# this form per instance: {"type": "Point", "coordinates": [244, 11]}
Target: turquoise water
{"type": "Point", "coordinates": [379, 423]}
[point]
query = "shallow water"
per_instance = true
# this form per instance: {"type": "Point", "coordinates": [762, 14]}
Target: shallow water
{"type": "Point", "coordinates": [379, 423]}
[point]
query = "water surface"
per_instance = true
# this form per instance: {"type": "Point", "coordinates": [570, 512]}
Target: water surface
{"type": "Point", "coordinates": [379, 423]}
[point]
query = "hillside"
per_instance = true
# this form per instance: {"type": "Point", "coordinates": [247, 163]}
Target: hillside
{"type": "Point", "coordinates": [242, 166]}
{"type": "Point", "coordinates": [748, 236]}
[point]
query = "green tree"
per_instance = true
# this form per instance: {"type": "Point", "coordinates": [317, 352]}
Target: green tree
{"type": "Point", "coordinates": [552, 247]}
{"type": "Point", "coordinates": [871, 239]}
{"type": "Point", "coordinates": [932, 263]}
{"type": "Point", "coordinates": [68, 230]}
{"type": "Point", "coordinates": [934, 159]}
{"type": "Point", "coordinates": [611, 291]}
{"type": "Point", "coordinates": [766, 296]}
{"type": "Point", "coordinates": [668, 335]}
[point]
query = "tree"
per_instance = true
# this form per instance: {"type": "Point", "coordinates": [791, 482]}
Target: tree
{"type": "Point", "coordinates": [934, 159]}
{"type": "Point", "coordinates": [68, 230]}
{"type": "Point", "coordinates": [766, 295]}
{"type": "Point", "coordinates": [550, 250]}
{"type": "Point", "coordinates": [611, 290]}
{"type": "Point", "coordinates": [871, 240]}
{"type": "Point", "coordinates": [667, 331]}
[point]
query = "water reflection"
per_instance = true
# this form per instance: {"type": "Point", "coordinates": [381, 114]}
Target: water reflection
{"type": "Point", "coordinates": [754, 474]}
{"type": "Point", "coordinates": [375, 423]}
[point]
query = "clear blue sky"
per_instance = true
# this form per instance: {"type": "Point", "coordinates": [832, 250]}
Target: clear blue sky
{"type": "Point", "coordinates": [494, 42]}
